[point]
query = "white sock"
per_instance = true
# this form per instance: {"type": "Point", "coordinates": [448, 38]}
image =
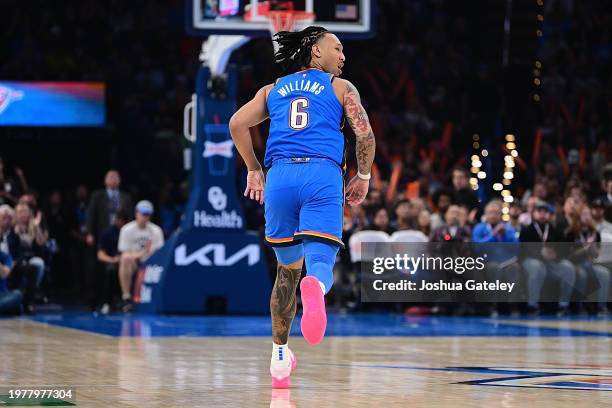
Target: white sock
{"type": "Point", "coordinates": [280, 363]}
{"type": "Point", "coordinates": [280, 352]}
{"type": "Point", "coordinates": [126, 296]}
{"type": "Point", "coordinates": [322, 287]}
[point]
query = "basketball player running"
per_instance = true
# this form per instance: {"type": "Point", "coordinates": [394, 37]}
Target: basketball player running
{"type": "Point", "coordinates": [304, 189]}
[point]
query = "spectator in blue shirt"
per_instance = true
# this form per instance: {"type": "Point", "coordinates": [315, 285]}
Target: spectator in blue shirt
{"type": "Point", "coordinates": [497, 239]}
{"type": "Point", "coordinates": [9, 299]}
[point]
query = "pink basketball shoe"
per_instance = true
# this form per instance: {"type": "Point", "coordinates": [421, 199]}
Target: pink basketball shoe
{"type": "Point", "coordinates": [281, 377]}
{"type": "Point", "coordinates": [314, 319]}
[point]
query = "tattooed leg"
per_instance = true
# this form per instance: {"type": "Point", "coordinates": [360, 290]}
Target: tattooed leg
{"type": "Point", "coordinates": [283, 301]}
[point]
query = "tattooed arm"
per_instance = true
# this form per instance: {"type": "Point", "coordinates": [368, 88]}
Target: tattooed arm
{"type": "Point", "coordinates": [357, 188]}
{"type": "Point", "coordinates": [358, 120]}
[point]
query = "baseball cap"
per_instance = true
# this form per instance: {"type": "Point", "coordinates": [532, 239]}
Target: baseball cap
{"type": "Point", "coordinates": [543, 204]}
{"type": "Point", "coordinates": [145, 207]}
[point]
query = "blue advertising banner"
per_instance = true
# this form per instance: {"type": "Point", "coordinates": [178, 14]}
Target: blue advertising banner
{"type": "Point", "coordinates": [52, 104]}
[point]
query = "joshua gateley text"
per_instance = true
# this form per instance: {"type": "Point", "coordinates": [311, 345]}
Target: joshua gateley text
{"type": "Point", "coordinates": [441, 286]}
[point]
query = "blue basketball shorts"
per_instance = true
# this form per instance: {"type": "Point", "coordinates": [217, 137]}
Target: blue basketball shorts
{"type": "Point", "coordinates": [304, 200]}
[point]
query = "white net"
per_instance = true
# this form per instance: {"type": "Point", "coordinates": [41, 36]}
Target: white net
{"type": "Point", "coordinates": [287, 20]}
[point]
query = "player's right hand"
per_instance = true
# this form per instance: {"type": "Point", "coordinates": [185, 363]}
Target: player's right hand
{"type": "Point", "coordinates": [356, 191]}
{"type": "Point", "coordinates": [256, 182]}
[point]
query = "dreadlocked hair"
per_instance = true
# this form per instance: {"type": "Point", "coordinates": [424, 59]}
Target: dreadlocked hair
{"type": "Point", "coordinates": [294, 48]}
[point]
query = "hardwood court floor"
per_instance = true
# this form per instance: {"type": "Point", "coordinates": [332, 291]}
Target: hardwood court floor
{"type": "Point", "coordinates": [147, 368]}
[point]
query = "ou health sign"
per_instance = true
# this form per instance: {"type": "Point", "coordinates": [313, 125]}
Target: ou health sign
{"type": "Point", "coordinates": [52, 103]}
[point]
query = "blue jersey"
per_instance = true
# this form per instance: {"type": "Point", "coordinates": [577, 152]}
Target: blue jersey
{"type": "Point", "coordinates": [306, 118]}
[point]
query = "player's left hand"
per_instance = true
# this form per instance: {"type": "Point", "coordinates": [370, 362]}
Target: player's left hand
{"type": "Point", "coordinates": [356, 191]}
{"type": "Point", "coordinates": [256, 182]}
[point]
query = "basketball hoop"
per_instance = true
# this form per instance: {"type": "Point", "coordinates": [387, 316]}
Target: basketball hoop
{"type": "Point", "coordinates": [284, 20]}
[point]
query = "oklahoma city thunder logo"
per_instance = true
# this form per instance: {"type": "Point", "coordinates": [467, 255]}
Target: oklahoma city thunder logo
{"type": "Point", "coordinates": [8, 95]}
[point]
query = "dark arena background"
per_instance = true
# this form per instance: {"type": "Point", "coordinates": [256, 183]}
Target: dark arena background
{"type": "Point", "coordinates": [133, 271]}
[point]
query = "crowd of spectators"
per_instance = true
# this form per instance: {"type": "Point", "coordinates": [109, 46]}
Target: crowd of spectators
{"type": "Point", "coordinates": [86, 251]}
{"type": "Point", "coordinates": [426, 91]}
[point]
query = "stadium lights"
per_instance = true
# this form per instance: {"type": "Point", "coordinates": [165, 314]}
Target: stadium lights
{"type": "Point", "coordinates": [485, 153]}
{"type": "Point", "coordinates": [514, 153]}
{"type": "Point", "coordinates": [498, 186]}
{"type": "Point", "coordinates": [482, 175]}
{"type": "Point", "coordinates": [508, 199]}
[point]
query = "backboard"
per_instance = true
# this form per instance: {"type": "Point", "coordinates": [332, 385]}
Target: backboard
{"type": "Point", "coordinates": [349, 19]}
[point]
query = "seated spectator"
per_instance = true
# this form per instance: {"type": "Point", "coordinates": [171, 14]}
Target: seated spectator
{"type": "Point", "coordinates": [464, 216]}
{"type": "Point", "coordinates": [515, 213]}
{"type": "Point", "coordinates": [597, 213]}
{"type": "Point", "coordinates": [501, 259]}
{"type": "Point", "coordinates": [563, 220]}
{"type": "Point", "coordinates": [108, 256]}
{"type": "Point", "coordinates": [424, 222]}
{"type": "Point", "coordinates": [381, 221]}
{"type": "Point", "coordinates": [493, 229]}
{"type": "Point", "coordinates": [355, 220]}
{"type": "Point", "coordinates": [543, 260]}
{"type": "Point", "coordinates": [463, 194]}
{"type": "Point", "coordinates": [403, 219]}
{"type": "Point", "coordinates": [137, 241]}
{"type": "Point", "coordinates": [451, 230]}
{"type": "Point", "coordinates": [607, 182]}
{"type": "Point", "coordinates": [526, 217]}
{"type": "Point", "coordinates": [32, 239]}
{"type": "Point", "coordinates": [583, 233]}
{"type": "Point", "coordinates": [23, 276]}
{"type": "Point", "coordinates": [372, 203]}
{"type": "Point", "coordinates": [9, 299]}
{"type": "Point", "coordinates": [9, 242]}
{"type": "Point", "coordinates": [605, 228]}
{"type": "Point", "coordinates": [442, 199]}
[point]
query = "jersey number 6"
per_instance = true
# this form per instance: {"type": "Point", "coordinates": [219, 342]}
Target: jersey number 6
{"type": "Point", "coordinates": [298, 117]}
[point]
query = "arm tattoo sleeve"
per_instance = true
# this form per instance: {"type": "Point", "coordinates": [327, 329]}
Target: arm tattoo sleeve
{"type": "Point", "coordinates": [358, 120]}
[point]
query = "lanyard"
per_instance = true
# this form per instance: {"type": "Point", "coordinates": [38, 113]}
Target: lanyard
{"type": "Point", "coordinates": [543, 236]}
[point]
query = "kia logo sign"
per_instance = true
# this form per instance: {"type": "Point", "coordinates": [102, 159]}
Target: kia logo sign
{"type": "Point", "coordinates": [215, 255]}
